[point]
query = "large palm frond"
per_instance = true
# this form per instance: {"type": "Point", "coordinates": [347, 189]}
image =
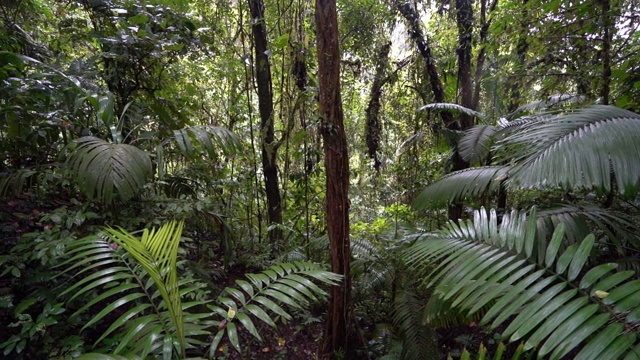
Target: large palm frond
{"type": "Point", "coordinates": [452, 107]}
{"type": "Point", "coordinates": [554, 304]}
{"type": "Point", "coordinates": [475, 143]}
{"type": "Point", "coordinates": [418, 339]}
{"type": "Point", "coordinates": [459, 185]}
{"type": "Point", "coordinates": [202, 139]}
{"type": "Point", "coordinates": [580, 219]}
{"type": "Point", "coordinates": [147, 296]}
{"type": "Point", "coordinates": [103, 170]}
{"type": "Point", "coordinates": [591, 148]}
{"type": "Point", "coordinates": [137, 279]}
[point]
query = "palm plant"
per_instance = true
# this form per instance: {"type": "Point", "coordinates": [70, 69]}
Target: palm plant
{"type": "Point", "coordinates": [545, 277]}
{"type": "Point", "coordinates": [591, 150]}
{"type": "Point", "coordinates": [554, 302]}
{"type": "Point", "coordinates": [138, 280]}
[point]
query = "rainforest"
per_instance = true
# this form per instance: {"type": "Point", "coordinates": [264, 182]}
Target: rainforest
{"type": "Point", "coordinates": [319, 179]}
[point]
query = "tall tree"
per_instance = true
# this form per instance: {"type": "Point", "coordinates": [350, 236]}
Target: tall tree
{"type": "Point", "coordinates": [337, 338]}
{"type": "Point", "coordinates": [265, 105]}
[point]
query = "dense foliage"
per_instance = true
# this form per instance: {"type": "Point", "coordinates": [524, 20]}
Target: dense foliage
{"type": "Point", "coordinates": [173, 182]}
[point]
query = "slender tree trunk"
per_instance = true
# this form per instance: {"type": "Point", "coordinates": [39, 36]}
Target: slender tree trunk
{"type": "Point", "coordinates": [340, 323]}
{"type": "Point", "coordinates": [515, 82]}
{"type": "Point", "coordinates": [464, 15]}
{"type": "Point", "coordinates": [265, 105]}
{"type": "Point", "coordinates": [607, 38]}
{"type": "Point", "coordinates": [373, 125]}
{"type": "Point", "coordinates": [484, 32]}
{"type": "Point", "coordinates": [415, 31]}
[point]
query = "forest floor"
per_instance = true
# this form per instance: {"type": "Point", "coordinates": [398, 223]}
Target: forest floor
{"type": "Point", "coordinates": [296, 339]}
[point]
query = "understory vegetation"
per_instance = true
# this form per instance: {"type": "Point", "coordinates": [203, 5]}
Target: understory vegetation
{"type": "Point", "coordinates": [216, 179]}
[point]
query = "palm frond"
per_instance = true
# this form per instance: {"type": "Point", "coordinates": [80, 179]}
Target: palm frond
{"type": "Point", "coordinates": [282, 285]}
{"type": "Point", "coordinates": [103, 170]}
{"type": "Point", "coordinates": [157, 253]}
{"type": "Point", "coordinates": [553, 307]}
{"type": "Point", "coordinates": [148, 296]}
{"type": "Point", "coordinates": [475, 143]}
{"type": "Point", "coordinates": [202, 139]}
{"type": "Point", "coordinates": [452, 107]}
{"type": "Point", "coordinates": [591, 149]}
{"type": "Point", "coordinates": [551, 102]}
{"type": "Point", "coordinates": [418, 339]}
{"type": "Point", "coordinates": [14, 183]}
{"type": "Point", "coordinates": [460, 185]}
{"type": "Point", "coordinates": [621, 229]}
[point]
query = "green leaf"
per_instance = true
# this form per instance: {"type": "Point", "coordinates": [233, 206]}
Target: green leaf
{"type": "Point", "coordinates": [232, 332]}
{"type": "Point", "coordinates": [260, 314]}
{"type": "Point", "coordinates": [554, 245]}
{"type": "Point", "coordinates": [595, 274]}
{"type": "Point", "coordinates": [248, 324]}
{"type": "Point", "coordinates": [581, 256]}
{"type": "Point", "coordinates": [594, 350]}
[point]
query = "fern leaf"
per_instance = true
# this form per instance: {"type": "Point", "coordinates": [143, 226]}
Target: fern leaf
{"type": "Point", "coordinates": [280, 286]}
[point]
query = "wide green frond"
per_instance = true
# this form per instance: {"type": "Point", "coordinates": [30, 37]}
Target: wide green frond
{"type": "Point", "coordinates": [137, 279]}
{"type": "Point", "coordinates": [475, 143]}
{"type": "Point", "coordinates": [452, 107]}
{"type": "Point", "coordinates": [266, 295]}
{"type": "Point", "coordinates": [418, 339]}
{"type": "Point", "coordinates": [201, 139]}
{"type": "Point", "coordinates": [553, 101]}
{"type": "Point", "coordinates": [14, 183]}
{"type": "Point", "coordinates": [580, 219]}
{"type": "Point", "coordinates": [157, 253]}
{"type": "Point", "coordinates": [459, 185]}
{"type": "Point", "coordinates": [103, 170]}
{"type": "Point", "coordinates": [555, 306]}
{"type": "Point", "coordinates": [591, 148]}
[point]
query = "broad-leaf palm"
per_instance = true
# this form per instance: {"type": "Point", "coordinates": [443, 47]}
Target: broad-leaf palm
{"type": "Point", "coordinates": [552, 298]}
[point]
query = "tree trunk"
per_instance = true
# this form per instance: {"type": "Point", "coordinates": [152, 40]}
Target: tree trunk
{"type": "Point", "coordinates": [464, 15]}
{"type": "Point", "coordinates": [265, 105]}
{"type": "Point", "coordinates": [607, 38]}
{"type": "Point", "coordinates": [515, 81]}
{"type": "Point", "coordinates": [340, 323]}
{"type": "Point", "coordinates": [373, 129]}
{"type": "Point", "coordinates": [415, 31]}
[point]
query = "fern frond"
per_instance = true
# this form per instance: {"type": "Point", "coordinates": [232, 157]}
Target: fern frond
{"type": "Point", "coordinates": [103, 170]}
{"type": "Point", "coordinates": [460, 185]}
{"type": "Point", "coordinates": [13, 183]}
{"type": "Point", "coordinates": [283, 285]}
{"type": "Point", "coordinates": [147, 296]}
{"type": "Point", "coordinates": [554, 306]}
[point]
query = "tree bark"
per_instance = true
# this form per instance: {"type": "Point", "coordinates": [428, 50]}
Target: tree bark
{"type": "Point", "coordinates": [373, 131]}
{"type": "Point", "coordinates": [415, 31]}
{"type": "Point", "coordinates": [337, 337]}
{"type": "Point", "coordinates": [464, 16]}
{"type": "Point", "coordinates": [515, 82]}
{"type": "Point", "coordinates": [265, 106]}
{"type": "Point", "coordinates": [607, 38]}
